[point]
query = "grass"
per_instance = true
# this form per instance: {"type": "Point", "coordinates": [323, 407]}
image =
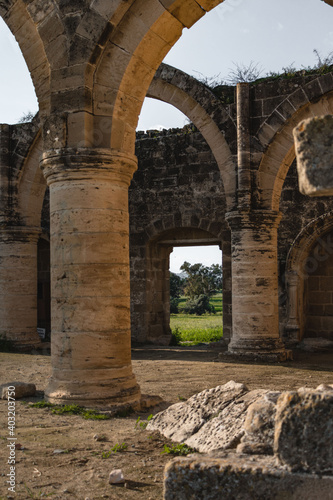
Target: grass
{"type": "Point", "coordinates": [178, 449]}
{"type": "Point", "coordinates": [187, 328]}
{"type": "Point", "coordinates": [71, 410]}
{"type": "Point", "coordinates": [116, 448]}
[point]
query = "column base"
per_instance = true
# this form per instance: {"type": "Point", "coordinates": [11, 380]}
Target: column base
{"type": "Point", "coordinates": [107, 395]}
{"type": "Point", "coordinates": [22, 342]}
{"type": "Point", "coordinates": [267, 350]}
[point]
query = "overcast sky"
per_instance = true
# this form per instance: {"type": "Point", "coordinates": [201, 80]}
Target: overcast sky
{"type": "Point", "coordinates": [274, 34]}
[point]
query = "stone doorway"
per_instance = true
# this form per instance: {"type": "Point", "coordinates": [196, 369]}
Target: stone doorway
{"type": "Point", "coordinates": [157, 286]}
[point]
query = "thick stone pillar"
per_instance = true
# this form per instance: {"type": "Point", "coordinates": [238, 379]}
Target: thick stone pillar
{"type": "Point", "coordinates": [255, 320]}
{"type": "Point", "coordinates": [158, 295]}
{"type": "Point", "coordinates": [90, 285]}
{"type": "Point", "coordinates": [293, 328]}
{"type": "Point", "coordinates": [18, 286]}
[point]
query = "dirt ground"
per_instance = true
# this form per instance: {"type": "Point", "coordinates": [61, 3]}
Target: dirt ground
{"type": "Point", "coordinates": [79, 471]}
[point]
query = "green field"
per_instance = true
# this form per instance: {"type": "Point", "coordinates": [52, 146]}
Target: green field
{"type": "Point", "coordinates": [188, 328]}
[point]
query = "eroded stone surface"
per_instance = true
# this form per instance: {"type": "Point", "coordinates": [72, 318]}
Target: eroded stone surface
{"type": "Point", "coordinates": [226, 429]}
{"type": "Point", "coordinates": [180, 421]}
{"type": "Point", "coordinates": [234, 476]}
{"type": "Point", "coordinates": [314, 152]}
{"type": "Point", "coordinates": [210, 420]}
{"type": "Point", "coordinates": [304, 430]}
{"type": "Point", "coordinates": [259, 426]}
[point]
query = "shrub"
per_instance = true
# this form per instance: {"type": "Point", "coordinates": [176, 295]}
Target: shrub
{"type": "Point", "coordinates": [174, 305]}
{"type": "Point", "coordinates": [176, 337]}
{"type": "Point", "coordinates": [199, 305]}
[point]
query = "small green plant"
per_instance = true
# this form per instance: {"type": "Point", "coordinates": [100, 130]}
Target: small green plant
{"type": "Point", "coordinates": [27, 117]}
{"type": "Point", "coordinates": [42, 404]}
{"type": "Point", "coordinates": [142, 424]}
{"type": "Point", "coordinates": [116, 448]}
{"type": "Point", "coordinates": [39, 494]}
{"type": "Point", "coordinates": [176, 336]}
{"type": "Point", "coordinates": [181, 398]}
{"type": "Point", "coordinates": [178, 449]}
{"type": "Point", "coordinates": [71, 410]}
{"type": "Point", "coordinates": [244, 73]}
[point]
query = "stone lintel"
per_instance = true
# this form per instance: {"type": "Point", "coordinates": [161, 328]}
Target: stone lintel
{"type": "Point", "coordinates": [230, 476]}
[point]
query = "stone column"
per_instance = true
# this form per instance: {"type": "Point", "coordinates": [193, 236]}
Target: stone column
{"type": "Point", "coordinates": [18, 286]}
{"type": "Point", "coordinates": [158, 295]}
{"type": "Point", "coordinates": [255, 320]}
{"type": "Point", "coordinates": [292, 330]}
{"type": "Point", "coordinates": [90, 285]}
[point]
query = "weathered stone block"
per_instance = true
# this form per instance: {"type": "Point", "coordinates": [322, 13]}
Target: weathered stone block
{"type": "Point", "coordinates": [314, 152]}
{"type": "Point", "coordinates": [22, 389]}
{"type": "Point", "coordinates": [232, 476]}
{"type": "Point", "coordinates": [259, 426]}
{"type": "Point", "coordinates": [180, 421]}
{"type": "Point", "coordinates": [225, 429]}
{"type": "Point", "coordinates": [304, 431]}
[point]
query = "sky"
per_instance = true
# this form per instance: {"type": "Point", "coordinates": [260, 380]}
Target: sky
{"type": "Point", "coordinates": [273, 34]}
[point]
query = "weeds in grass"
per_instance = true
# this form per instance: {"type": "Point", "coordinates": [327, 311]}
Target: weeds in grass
{"type": "Point", "coordinates": [116, 448]}
{"type": "Point", "coordinates": [178, 449]}
{"type": "Point", "coordinates": [71, 410]}
{"type": "Point", "coordinates": [42, 404]}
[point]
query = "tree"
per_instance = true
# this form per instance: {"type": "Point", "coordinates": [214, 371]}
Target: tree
{"type": "Point", "coordinates": [201, 280]}
{"type": "Point", "coordinates": [198, 305]}
{"type": "Point", "coordinates": [176, 290]}
{"type": "Point", "coordinates": [176, 286]}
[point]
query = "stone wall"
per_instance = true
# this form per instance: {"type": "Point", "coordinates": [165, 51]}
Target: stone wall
{"type": "Point", "coordinates": [178, 186]}
{"type": "Point", "coordinates": [319, 293]}
{"type": "Point", "coordinates": [176, 199]}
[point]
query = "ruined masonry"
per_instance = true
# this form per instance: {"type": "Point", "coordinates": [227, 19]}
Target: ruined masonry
{"type": "Point", "coordinates": [79, 190]}
{"type": "Point", "coordinates": [259, 445]}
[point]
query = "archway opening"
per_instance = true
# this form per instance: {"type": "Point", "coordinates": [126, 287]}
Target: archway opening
{"type": "Point", "coordinates": [196, 293]}
{"type": "Point", "coordinates": [318, 290]}
{"type": "Point", "coordinates": [18, 101]}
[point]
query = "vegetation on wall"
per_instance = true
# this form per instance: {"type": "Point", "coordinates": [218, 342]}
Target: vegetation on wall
{"type": "Point", "coordinates": [223, 88]}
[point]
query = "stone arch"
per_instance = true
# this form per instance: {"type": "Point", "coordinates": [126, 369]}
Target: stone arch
{"type": "Point", "coordinates": [298, 267]}
{"type": "Point", "coordinates": [201, 106]}
{"type": "Point", "coordinates": [150, 300]}
{"type": "Point", "coordinates": [130, 59]}
{"type": "Point", "coordinates": [276, 135]}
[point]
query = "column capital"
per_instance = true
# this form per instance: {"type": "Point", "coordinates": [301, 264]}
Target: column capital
{"type": "Point", "coordinates": [239, 220]}
{"type": "Point", "coordinates": [88, 163]}
{"type": "Point", "coordinates": [22, 234]}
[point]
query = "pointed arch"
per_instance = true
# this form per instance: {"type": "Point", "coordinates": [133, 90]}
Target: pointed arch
{"type": "Point", "coordinates": [298, 266]}
{"type": "Point", "coordinates": [130, 59]}
{"type": "Point", "coordinates": [200, 105]}
{"type": "Point", "coordinates": [313, 99]}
